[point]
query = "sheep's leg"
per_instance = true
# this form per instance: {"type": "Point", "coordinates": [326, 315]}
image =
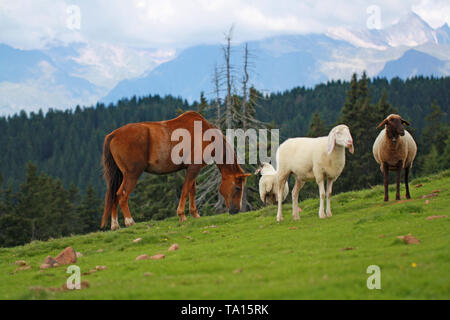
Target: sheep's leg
{"type": "Point", "coordinates": [408, 196]}
{"type": "Point", "coordinates": [322, 198]}
{"type": "Point", "coordinates": [281, 181]}
{"type": "Point", "coordinates": [298, 186]}
{"type": "Point", "coordinates": [399, 173]}
{"type": "Point", "coordinates": [386, 181]}
{"type": "Point", "coordinates": [329, 190]}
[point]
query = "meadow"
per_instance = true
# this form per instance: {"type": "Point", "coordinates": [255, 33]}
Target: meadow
{"type": "Point", "coordinates": [251, 256]}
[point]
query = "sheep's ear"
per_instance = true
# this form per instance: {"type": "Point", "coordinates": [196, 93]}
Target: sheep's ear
{"type": "Point", "coordinates": [331, 142]}
{"type": "Point", "coordinates": [382, 124]}
{"type": "Point", "coordinates": [405, 122]}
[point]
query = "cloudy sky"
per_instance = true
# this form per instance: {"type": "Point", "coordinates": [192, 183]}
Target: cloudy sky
{"type": "Point", "coordinates": [33, 24]}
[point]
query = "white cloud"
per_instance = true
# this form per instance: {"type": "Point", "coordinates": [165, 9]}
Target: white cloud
{"type": "Point", "coordinates": [436, 12]}
{"type": "Point", "coordinates": [179, 23]}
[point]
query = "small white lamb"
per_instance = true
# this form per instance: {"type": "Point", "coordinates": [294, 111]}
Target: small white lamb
{"type": "Point", "coordinates": [268, 184]}
{"type": "Point", "coordinates": [313, 159]}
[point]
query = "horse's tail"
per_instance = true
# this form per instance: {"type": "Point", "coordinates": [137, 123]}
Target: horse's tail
{"type": "Point", "coordinates": [113, 177]}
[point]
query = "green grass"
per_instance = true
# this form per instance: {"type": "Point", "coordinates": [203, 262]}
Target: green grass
{"type": "Point", "coordinates": [277, 260]}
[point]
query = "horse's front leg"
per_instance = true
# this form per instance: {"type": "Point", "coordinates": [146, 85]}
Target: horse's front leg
{"type": "Point", "coordinates": [192, 207]}
{"type": "Point", "coordinates": [191, 174]}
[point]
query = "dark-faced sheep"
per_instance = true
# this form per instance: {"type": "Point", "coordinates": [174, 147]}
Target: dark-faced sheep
{"type": "Point", "coordinates": [394, 149]}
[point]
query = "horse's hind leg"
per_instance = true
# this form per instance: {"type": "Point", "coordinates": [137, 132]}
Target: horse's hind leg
{"type": "Point", "coordinates": [192, 206]}
{"type": "Point", "coordinates": [127, 186]}
{"type": "Point", "coordinates": [114, 216]}
{"type": "Point", "coordinates": [191, 174]}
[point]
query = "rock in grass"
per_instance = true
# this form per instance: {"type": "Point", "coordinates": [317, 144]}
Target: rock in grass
{"type": "Point", "coordinates": [409, 239]}
{"type": "Point", "coordinates": [142, 257]}
{"type": "Point", "coordinates": [99, 268]}
{"type": "Point", "coordinates": [137, 240]}
{"type": "Point", "coordinates": [50, 261]}
{"type": "Point", "coordinates": [238, 270]}
{"type": "Point", "coordinates": [21, 263]}
{"type": "Point", "coordinates": [83, 285]}
{"type": "Point", "coordinates": [157, 257]}
{"type": "Point", "coordinates": [436, 217]}
{"type": "Point", "coordinates": [79, 254]}
{"type": "Point", "coordinates": [45, 266]}
{"type": "Point", "coordinates": [67, 256]}
{"type": "Point", "coordinates": [173, 247]}
{"type": "Point", "coordinates": [23, 268]}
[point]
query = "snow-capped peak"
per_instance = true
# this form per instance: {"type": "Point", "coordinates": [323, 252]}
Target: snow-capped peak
{"type": "Point", "coordinates": [410, 30]}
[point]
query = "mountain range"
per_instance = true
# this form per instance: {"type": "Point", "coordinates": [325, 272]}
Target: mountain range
{"type": "Point", "coordinates": [84, 73]}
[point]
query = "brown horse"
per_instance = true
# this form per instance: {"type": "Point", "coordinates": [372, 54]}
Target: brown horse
{"type": "Point", "coordinates": [147, 146]}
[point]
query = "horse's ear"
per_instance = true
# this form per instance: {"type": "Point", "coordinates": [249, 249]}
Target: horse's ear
{"type": "Point", "coordinates": [382, 123]}
{"type": "Point", "coordinates": [405, 122]}
{"type": "Point", "coordinates": [243, 175]}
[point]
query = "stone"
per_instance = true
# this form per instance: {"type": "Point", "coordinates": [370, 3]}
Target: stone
{"type": "Point", "coordinates": [157, 257]}
{"type": "Point", "coordinates": [142, 257]}
{"type": "Point", "coordinates": [21, 263]}
{"type": "Point", "coordinates": [45, 266]}
{"type": "Point", "coordinates": [409, 239]}
{"type": "Point", "coordinates": [67, 256]}
{"type": "Point", "coordinates": [173, 247]}
{"type": "Point", "coordinates": [137, 240]}
{"type": "Point", "coordinates": [79, 254]}
{"type": "Point", "coordinates": [98, 268]}
{"type": "Point", "coordinates": [22, 268]}
{"type": "Point", "coordinates": [50, 261]}
{"type": "Point", "coordinates": [436, 217]}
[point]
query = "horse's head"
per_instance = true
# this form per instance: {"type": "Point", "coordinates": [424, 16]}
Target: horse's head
{"type": "Point", "coordinates": [231, 189]}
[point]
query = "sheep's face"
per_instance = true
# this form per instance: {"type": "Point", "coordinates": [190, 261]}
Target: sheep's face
{"type": "Point", "coordinates": [394, 126]}
{"type": "Point", "coordinates": [264, 167]}
{"type": "Point", "coordinates": [340, 135]}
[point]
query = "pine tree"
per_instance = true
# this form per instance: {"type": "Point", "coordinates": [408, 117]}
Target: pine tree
{"type": "Point", "coordinates": [317, 128]}
{"type": "Point", "coordinates": [90, 211]}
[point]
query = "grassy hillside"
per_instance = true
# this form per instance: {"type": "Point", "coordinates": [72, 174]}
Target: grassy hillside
{"type": "Point", "coordinates": [250, 256]}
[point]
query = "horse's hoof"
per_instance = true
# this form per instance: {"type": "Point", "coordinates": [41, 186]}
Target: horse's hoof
{"type": "Point", "coordinates": [329, 214]}
{"type": "Point", "coordinates": [296, 217]}
{"type": "Point", "coordinates": [322, 216]}
{"type": "Point", "coordinates": [183, 218]}
{"type": "Point", "coordinates": [279, 219]}
{"type": "Point", "coordinates": [129, 222]}
{"type": "Point", "coordinates": [115, 227]}
{"type": "Point", "coordinates": [195, 215]}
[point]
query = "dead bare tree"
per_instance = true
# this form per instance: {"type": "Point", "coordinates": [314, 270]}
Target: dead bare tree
{"type": "Point", "coordinates": [227, 57]}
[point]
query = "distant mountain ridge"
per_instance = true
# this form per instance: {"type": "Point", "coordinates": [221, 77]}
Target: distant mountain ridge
{"type": "Point", "coordinates": [286, 61]}
{"type": "Point", "coordinates": [81, 73]}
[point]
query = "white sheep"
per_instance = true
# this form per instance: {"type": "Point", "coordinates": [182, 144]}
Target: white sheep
{"type": "Point", "coordinates": [268, 184]}
{"type": "Point", "coordinates": [313, 158]}
{"type": "Point", "coordinates": [394, 149]}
